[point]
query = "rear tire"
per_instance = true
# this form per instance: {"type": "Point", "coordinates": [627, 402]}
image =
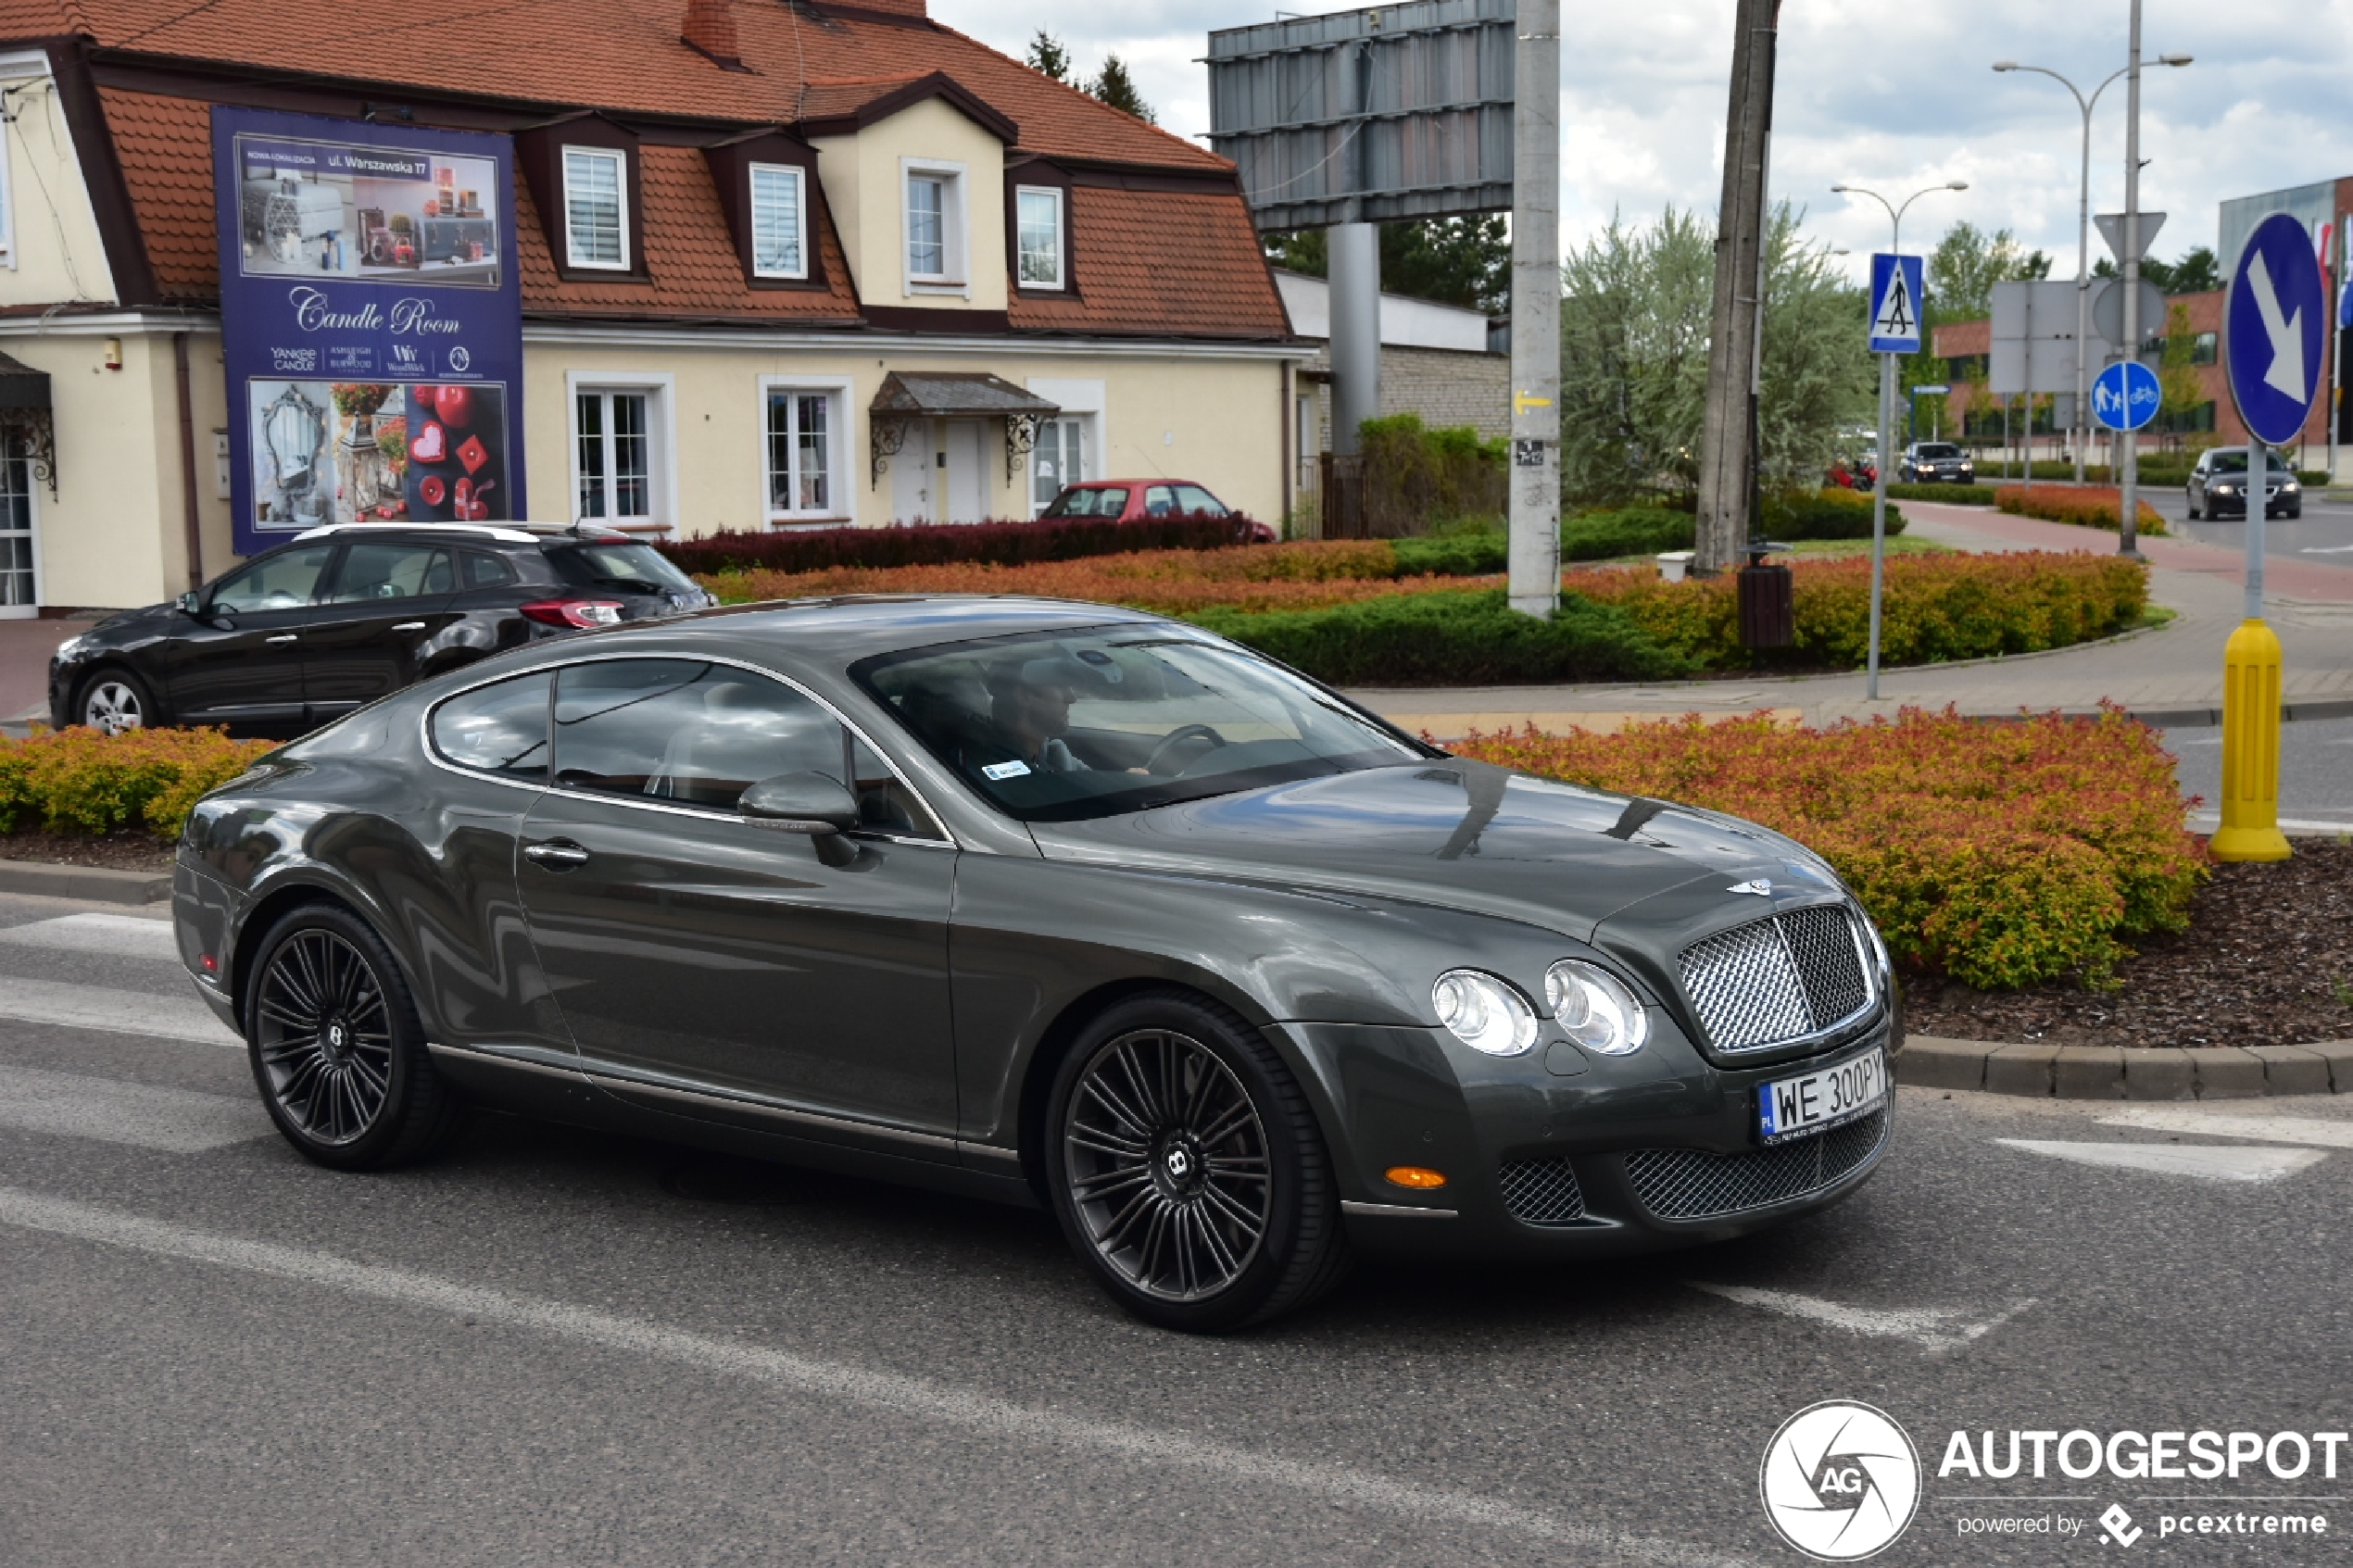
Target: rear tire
{"type": "Point", "coordinates": [1188, 1169]}
{"type": "Point", "coordinates": [112, 701]}
{"type": "Point", "coordinates": [336, 1047]}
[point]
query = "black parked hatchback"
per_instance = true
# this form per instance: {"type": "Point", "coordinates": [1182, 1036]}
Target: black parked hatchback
{"type": "Point", "coordinates": [340, 615]}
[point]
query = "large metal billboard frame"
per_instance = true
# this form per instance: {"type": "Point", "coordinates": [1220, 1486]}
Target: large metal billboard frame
{"type": "Point", "coordinates": [1378, 115]}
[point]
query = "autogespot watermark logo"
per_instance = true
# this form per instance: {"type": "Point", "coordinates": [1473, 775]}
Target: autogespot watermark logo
{"type": "Point", "coordinates": [1840, 1481]}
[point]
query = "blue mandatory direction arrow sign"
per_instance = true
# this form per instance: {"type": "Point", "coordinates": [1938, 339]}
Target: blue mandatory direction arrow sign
{"type": "Point", "coordinates": [2126, 396]}
{"type": "Point", "coordinates": [2277, 314]}
{"type": "Point", "coordinates": [1895, 303]}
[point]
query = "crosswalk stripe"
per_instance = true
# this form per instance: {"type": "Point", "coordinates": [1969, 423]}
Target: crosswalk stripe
{"type": "Point", "coordinates": [109, 935]}
{"type": "Point", "coordinates": [2213, 1162]}
{"type": "Point", "coordinates": [175, 1121]}
{"type": "Point", "coordinates": [170, 1017]}
{"type": "Point", "coordinates": [2256, 1129]}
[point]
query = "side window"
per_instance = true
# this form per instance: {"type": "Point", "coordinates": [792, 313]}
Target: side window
{"type": "Point", "coordinates": [486, 571]}
{"type": "Point", "coordinates": [886, 805]}
{"type": "Point", "coordinates": [500, 729]}
{"type": "Point", "coordinates": [1111, 503]}
{"type": "Point", "coordinates": [678, 730]}
{"type": "Point", "coordinates": [1193, 499]}
{"type": "Point", "coordinates": [1159, 500]}
{"type": "Point", "coordinates": [279, 582]}
{"type": "Point", "coordinates": [392, 571]}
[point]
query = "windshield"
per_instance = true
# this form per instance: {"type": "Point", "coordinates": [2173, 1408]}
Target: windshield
{"type": "Point", "coordinates": [2235, 462]}
{"type": "Point", "coordinates": [638, 569]}
{"type": "Point", "coordinates": [1936, 449]}
{"type": "Point", "coordinates": [1056, 727]}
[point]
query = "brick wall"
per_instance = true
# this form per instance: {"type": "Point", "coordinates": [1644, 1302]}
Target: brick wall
{"type": "Point", "coordinates": [1445, 386]}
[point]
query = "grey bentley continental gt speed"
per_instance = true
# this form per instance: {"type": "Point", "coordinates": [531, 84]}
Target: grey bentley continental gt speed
{"type": "Point", "coordinates": [1049, 903]}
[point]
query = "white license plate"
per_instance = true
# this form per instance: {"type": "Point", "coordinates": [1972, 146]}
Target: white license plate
{"type": "Point", "coordinates": [1788, 1106]}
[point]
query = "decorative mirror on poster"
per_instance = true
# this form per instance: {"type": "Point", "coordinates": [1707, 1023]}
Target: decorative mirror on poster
{"type": "Point", "coordinates": [372, 324]}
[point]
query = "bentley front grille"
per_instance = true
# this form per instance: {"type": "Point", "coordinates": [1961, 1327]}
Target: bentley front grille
{"type": "Point", "coordinates": [1782, 978]}
{"type": "Point", "coordinates": [1542, 1192]}
{"type": "Point", "coordinates": [1686, 1183]}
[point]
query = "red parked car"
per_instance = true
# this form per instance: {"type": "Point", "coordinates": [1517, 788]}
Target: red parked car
{"type": "Point", "coordinates": [1132, 500]}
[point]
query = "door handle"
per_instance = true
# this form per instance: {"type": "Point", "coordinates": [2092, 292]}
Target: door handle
{"type": "Point", "coordinates": [555, 854]}
{"type": "Point", "coordinates": [410, 626]}
{"type": "Point", "coordinates": [287, 638]}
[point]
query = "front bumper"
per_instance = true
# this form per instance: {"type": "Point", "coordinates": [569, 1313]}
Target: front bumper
{"type": "Point", "coordinates": [2220, 505]}
{"type": "Point", "coordinates": [1645, 1153]}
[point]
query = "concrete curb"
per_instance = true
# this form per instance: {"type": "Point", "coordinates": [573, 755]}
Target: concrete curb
{"type": "Point", "coordinates": [2126, 1073]}
{"type": "Point", "coordinates": [95, 883]}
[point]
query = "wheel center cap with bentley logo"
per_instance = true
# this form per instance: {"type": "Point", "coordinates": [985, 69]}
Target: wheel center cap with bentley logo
{"type": "Point", "coordinates": [337, 1038]}
{"type": "Point", "coordinates": [1181, 1163]}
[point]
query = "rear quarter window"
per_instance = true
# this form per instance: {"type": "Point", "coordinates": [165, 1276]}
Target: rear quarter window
{"type": "Point", "coordinates": [500, 728]}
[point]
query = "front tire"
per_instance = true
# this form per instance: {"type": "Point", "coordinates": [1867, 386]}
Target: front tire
{"type": "Point", "coordinates": [1188, 1169]}
{"type": "Point", "coordinates": [336, 1046]}
{"type": "Point", "coordinates": [112, 701]}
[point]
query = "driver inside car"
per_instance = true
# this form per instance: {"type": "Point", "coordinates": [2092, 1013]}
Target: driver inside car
{"type": "Point", "coordinates": [1028, 714]}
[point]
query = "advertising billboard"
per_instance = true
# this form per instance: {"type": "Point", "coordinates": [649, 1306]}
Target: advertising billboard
{"type": "Point", "coordinates": [372, 324]}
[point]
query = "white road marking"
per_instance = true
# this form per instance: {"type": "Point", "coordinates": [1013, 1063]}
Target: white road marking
{"type": "Point", "coordinates": [2256, 1129]}
{"type": "Point", "coordinates": [182, 1016]}
{"type": "Point", "coordinates": [894, 1394]}
{"type": "Point", "coordinates": [175, 1121]}
{"type": "Point", "coordinates": [2213, 1162]}
{"type": "Point", "coordinates": [109, 935]}
{"type": "Point", "coordinates": [1936, 1329]}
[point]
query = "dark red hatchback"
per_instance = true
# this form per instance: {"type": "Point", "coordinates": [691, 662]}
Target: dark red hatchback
{"type": "Point", "coordinates": [1133, 500]}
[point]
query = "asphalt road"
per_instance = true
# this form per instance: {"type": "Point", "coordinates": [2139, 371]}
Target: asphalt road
{"type": "Point", "coordinates": [2316, 768]}
{"type": "Point", "coordinates": [2324, 535]}
{"type": "Point", "coordinates": [556, 1347]}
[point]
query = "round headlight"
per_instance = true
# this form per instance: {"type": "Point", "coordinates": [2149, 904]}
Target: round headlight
{"type": "Point", "coordinates": [1595, 1009]}
{"type": "Point", "coordinates": [1483, 1012]}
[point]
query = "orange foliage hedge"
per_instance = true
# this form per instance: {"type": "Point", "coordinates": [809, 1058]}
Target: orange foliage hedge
{"type": "Point", "coordinates": [1999, 853]}
{"type": "Point", "coordinates": [96, 783]}
{"type": "Point", "coordinates": [2086, 506]}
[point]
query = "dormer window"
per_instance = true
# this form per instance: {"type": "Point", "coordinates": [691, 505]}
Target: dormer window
{"type": "Point", "coordinates": [934, 204]}
{"type": "Point", "coordinates": [1039, 236]}
{"type": "Point", "coordinates": [779, 231]}
{"type": "Point", "coordinates": [596, 208]}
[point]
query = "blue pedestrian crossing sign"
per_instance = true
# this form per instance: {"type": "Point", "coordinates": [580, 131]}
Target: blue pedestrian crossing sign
{"type": "Point", "coordinates": [2126, 396]}
{"type": "Point", "coordinates": [2277, 317]}
{"type": "Point", "coordinates": [1895, 303]}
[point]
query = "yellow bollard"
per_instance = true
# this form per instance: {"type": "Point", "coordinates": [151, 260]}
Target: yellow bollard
{"type": "Point", "coordinates": [2250, 829]}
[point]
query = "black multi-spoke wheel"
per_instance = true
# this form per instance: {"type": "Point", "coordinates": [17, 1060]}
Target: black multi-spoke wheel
{"type": "Point", "coordinates": [336, 1047]}
{"type": "Point", "coordinates": [1188, 1169]}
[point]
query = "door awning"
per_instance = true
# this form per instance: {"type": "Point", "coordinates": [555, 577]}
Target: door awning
{"type": "Point", "coordinates": [906, 396]}
{"type": "Point", "coordinates": [26, 424]}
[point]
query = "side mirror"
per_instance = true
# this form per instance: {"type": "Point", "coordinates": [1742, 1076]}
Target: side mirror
{"type": "Point", "coordinates": [809, 803]}
{"type": "Point", "coordinates": [189, 603]}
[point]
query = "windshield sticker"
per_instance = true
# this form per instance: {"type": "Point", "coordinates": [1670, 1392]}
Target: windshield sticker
{"type": "Point", "coordinates": [1004, 771]}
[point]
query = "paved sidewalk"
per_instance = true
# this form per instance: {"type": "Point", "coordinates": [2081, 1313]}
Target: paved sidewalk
{"type": "Point", "coordinates": [2171, 674]}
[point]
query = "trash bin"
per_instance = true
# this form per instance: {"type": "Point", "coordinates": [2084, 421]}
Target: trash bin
{"type": "Point", "coordinates": [1769, 600]}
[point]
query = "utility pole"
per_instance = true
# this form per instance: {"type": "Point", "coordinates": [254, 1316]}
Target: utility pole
{"type": "Point", "coordinates": [1535, 560]}
{"type": "Point", "coordinates": [1736, 320]}
{"type": "Point", "coordinates": [2128, 514]}
{"type": "Point", "coordinates": [2337, 336]}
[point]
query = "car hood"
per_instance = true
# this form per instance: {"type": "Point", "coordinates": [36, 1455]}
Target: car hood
{"type": "Point", "coordinates": [1450, 832]}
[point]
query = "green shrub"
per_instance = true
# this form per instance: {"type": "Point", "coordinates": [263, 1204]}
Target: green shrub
{"type": "Point", "coordinates": [1458, 555]}
{"type": "Point", "coordinates": [1414, 474]}
{"type": "Point", "coordinates": [1947, 494]}
{"type": "Point", "coordinates": [81, 780]}
{"type": "Point", "coordinates": [1831, 512]}
{"type": "Point", "coordinates": [1628, 531]}
{"type": "Point", "coordinates": [1450, 638]}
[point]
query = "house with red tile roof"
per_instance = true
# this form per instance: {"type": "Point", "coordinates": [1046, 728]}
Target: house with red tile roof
{"type": "Point", "coordinates": [744, 230]}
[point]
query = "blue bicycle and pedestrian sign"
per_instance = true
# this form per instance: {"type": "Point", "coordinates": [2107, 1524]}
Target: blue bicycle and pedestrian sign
{"type": "Point", "coordinates": [2126, 396]}
{"type": "Point", "coordinates": [2278, 316]}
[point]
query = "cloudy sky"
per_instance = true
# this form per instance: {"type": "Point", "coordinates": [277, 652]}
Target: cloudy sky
{"type": "Point", "coordinates": [1891, 93]}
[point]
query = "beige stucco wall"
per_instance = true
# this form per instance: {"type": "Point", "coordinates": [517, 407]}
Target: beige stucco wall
{"type": "Point", "coordinates": [861, 178]}
{"type": "Point", "coordinates": [1214, 420]}
{"type": "Point", "coordinates": [56, 255]}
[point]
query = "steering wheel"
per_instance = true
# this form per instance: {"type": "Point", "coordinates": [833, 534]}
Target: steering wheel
{"type": "Point", "coordinates": [1177, 737]}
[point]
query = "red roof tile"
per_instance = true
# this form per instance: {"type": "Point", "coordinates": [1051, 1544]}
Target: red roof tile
{"type": "Point", "coordinates": [1161, 261]}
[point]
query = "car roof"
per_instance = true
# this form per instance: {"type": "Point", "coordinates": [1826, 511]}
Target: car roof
{"type": "Point", "coordinates": [503, 533]}
{"type": "Point", "coordinates": [1163, 479]}
{"type": "Point", "coordinates": [839, 631]}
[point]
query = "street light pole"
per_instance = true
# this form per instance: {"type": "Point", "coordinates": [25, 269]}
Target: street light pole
{"type": "Point", "coordinates": [1886, 418]}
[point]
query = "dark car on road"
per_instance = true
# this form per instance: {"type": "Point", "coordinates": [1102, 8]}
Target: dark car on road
{"type": "Point", "coordinates": [340, 615]}
{"type": "Point", "coordinates": [1054, 904]}
{"type": "Point", "coordinates": [1936, 462]}
{"type": "Point", "coordinates": [2217, 485]}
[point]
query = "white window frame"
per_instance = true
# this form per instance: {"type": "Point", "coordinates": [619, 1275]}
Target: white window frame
{"type": "Point", "coordinates": [837, 450]}
{"type": "Point", "coordinates": [621, 187]}
{"type": "Point", "coordinates": [801, 217]}
{"type": "Point", "coordinates": [660, 390]}
{"type": "Point", "coordinates": [955, 230]}
{"type": "Point", "coordinates": [1062, 237]}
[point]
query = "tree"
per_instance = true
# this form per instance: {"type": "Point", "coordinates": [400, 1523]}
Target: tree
{"type": "Point", "coordinates": [1465, 261]}
{"type": "Point", "coordinates": [1968, 262]}
{"type": "Point", "coordinates": [1634, 313]}
{"type": "Point", "coordinates": [1048, 56]}
{"type": "Point", "coordinates": [2194, 273]}
{"type": "Point", "coordinates": [2177, 381]}
{"type": "Point", "coordinates": [1115, 87]}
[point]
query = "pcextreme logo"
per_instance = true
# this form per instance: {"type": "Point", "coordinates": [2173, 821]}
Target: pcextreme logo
{"type": "Point", "coordinates": [1840, 1481]}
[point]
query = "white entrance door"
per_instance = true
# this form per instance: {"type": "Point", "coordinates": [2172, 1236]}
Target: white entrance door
{"type": "Point", "coordinates": [967, 495]}
{"type": "Point", "coordinates": [914, 476]}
